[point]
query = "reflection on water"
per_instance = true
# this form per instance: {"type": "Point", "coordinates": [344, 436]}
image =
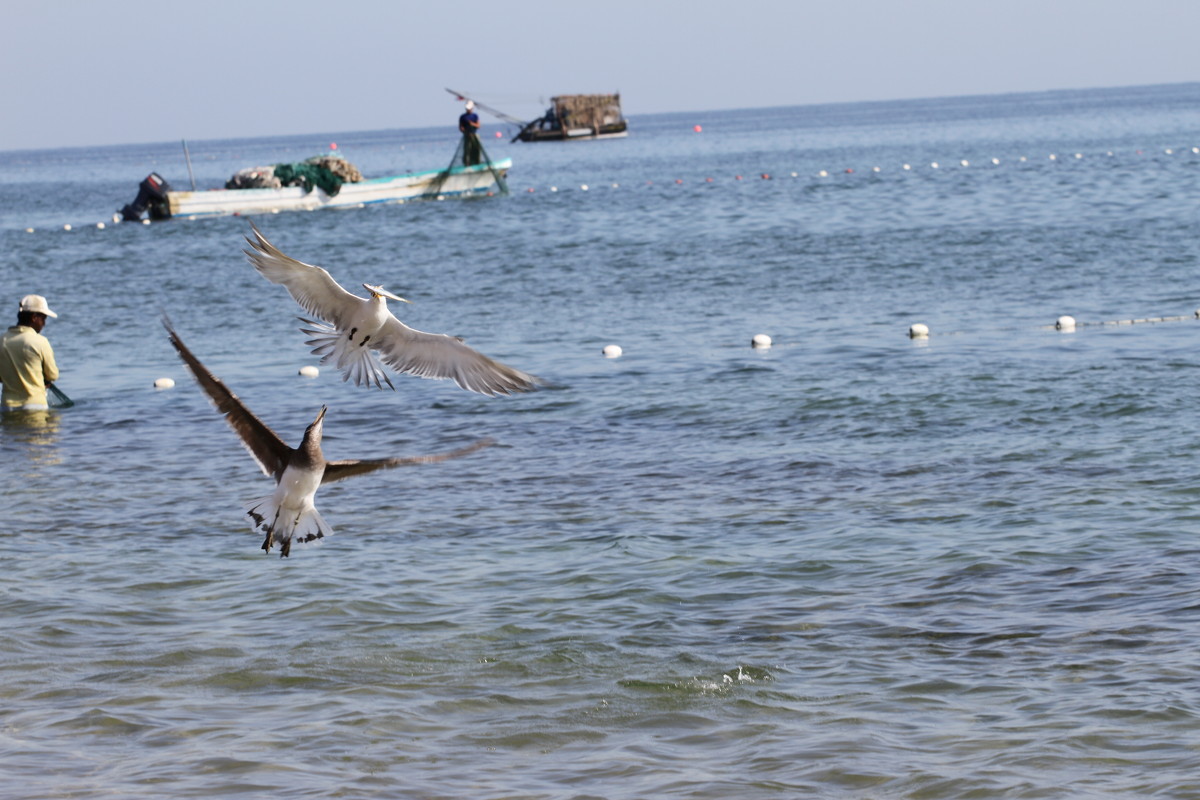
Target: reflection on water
{"type": "Point", "coordinates": [29, 440]}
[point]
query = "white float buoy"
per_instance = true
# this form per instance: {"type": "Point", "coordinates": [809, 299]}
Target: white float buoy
{"type": "Point", "coordinates": [1065, 323]}
{"type": "Point", "coordinates": [995, 161]}
{"type": "Point", "coordinates": [145, 222]}
{"type": "Point", "coordinates": [309, 371]}
{"type": "Point", "coordinates": [908, 166]}
{"type": "Point", "coordinates": [934, 165]}
{"type": "Point", "coordinates": [29, 230]}
{"type": "Point", "coordinates": [822, 174]}
{"type": "Point", "coordinates": [965, 163]}
{"type": "Point", "coordinates": [99, 226]}
{"type": "Point", "coordinates": [874, 169]}
{"type": "Point", "coordinates": [760, 340]}
{"type": "Point", "coordinates": [554, 188]}
{"type": "Point", "coordinates": [164, 383]}
{"type": "Point", "coordinates": [116, 218]}
{"type": "Point", "coordinates": [918, 330]}
{"type": "Point", "coordinates": [67, 227]}
{"type": "Point", "coordinates": [612, 351]}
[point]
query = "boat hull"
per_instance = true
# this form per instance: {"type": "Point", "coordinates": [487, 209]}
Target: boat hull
{"type": "Point", "coordinates": [461, 181]}
{"type": "Point", "coordinates": [532, 133]}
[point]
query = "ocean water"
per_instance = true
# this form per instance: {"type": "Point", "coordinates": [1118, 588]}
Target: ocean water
{"type": "Point", "coordinates": [852, 565]}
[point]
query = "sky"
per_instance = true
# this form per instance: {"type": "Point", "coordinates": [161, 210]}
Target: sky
{"type": "Point", "coordinates": [87, 73]}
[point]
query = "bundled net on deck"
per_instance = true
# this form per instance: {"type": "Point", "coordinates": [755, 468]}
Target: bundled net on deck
{"type": "Point", "coordinates": [469, 153]}
{"type": "Point", "coordinates": [327, 171]}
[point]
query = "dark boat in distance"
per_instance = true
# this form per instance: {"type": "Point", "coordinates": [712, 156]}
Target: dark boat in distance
{"type": "Point", "coordinates": [570, 117]}
{"type": "Point", "coordinates": [577, 116]}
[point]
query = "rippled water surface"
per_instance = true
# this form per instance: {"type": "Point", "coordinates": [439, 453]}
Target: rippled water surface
{"type": "Point", "coordinates": [853, 565]}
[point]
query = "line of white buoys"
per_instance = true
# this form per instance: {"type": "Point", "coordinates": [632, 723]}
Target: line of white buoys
{"type": "Point", "coordinates": [309, 371]}
{"type": "Point", "coordinates": [760, 341]}
{"type": "Point", "coordinates": [612, 351]}
{"type": "Point", "coordinates": [164, 383]}
{"type": "Point", "coordinates": [1068, 324]}
{"type": "Point", "coordinates": [1143, 319]}
{"type": "Point", "coordinates": [918, 330]}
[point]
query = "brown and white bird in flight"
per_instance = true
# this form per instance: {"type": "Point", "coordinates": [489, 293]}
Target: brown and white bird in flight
{"type": "Point", "coordinates": [288, 514]}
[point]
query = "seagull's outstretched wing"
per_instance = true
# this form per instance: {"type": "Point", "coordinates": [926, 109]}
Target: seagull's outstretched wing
{"type": "Point", "coordinates": [436, 355]}
{"type": "Point", "coordinates": [312, 287]}
{"type": "Point", "coordinates": [268, 449]}
{"type": "Point", "coordinates": [340, 470]}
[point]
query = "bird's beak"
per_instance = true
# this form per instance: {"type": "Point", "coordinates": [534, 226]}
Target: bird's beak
{"type": "Point", "coordinates": [379, 291]}
{"type": "Point", "coordinates": [320, 414]}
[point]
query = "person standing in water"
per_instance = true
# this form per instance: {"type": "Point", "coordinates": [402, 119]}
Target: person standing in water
{"type": "Point", "coordinates": [468, 124]}
{"type": "Point", "coordinates": [26, 359]}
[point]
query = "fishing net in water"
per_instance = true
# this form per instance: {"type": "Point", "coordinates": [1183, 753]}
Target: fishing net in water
{"type": "Point", "coordinates": [470, 152]}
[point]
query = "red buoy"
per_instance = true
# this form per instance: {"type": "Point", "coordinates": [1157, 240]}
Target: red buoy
{"type": "Point", "coordinates": [697, 128]}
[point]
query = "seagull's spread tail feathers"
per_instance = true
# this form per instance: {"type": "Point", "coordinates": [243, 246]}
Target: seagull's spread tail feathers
{"type": "Point", "coordinates": [282, 527]}
{"type": "Point", "coordinates": [354, 359]}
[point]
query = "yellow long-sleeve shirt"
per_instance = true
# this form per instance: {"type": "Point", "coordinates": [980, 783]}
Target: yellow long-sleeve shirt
{"type": "Point", "coordinates": [26, 366]}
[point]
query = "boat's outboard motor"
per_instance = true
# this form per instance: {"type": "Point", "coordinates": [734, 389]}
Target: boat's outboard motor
{"type": "Point", "coordinates": [152, 196]}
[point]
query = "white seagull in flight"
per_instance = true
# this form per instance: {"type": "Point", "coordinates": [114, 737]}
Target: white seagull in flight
{"type": "Point", "coordinates": [354, 326]}
{"type": "Point", "coordinates": [288, 513]}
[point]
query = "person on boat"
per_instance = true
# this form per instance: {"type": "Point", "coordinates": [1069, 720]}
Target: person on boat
{"type": "Point", "coordinates": [26, 358]}
{"type": "Point", "coordinates": [468, 125]}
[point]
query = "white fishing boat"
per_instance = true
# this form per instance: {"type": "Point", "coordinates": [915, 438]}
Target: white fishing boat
{"type": "Point", "coordinates": [156, 197]}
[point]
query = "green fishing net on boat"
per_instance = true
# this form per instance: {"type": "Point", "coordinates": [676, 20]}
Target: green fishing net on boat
{"type": "Point", "coordinates": [308, 176]}
{"type": "Point", "coordinates": [327, 172]}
